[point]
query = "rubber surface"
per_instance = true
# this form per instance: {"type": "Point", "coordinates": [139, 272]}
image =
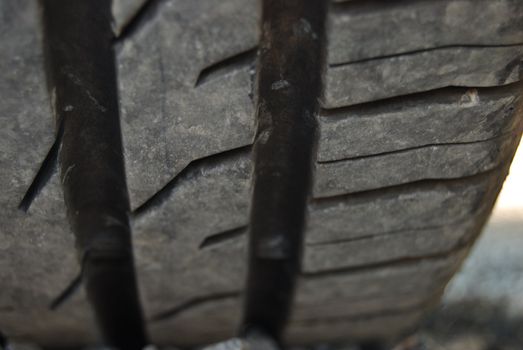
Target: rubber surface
{"type": "Point", "coordinates": [417, 130]}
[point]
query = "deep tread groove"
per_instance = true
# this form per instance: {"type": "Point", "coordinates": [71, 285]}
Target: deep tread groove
{"type": "Point", "coordinates": [175, 311]}
{"type": "Point", "coordinates": [226, 65]}
{"type": "Point", "coordinates": [289, 84]}
{"type": "Point", "coordinates": [415, 52]}
{"type": "Point", "coordinates": [45, 172]}
{"type": "Point", "coordinates": [220, 237]}
{"type": "Point", "coordinates": [164, 193]}
{"type": "Point", "coordinates": [83, 79]}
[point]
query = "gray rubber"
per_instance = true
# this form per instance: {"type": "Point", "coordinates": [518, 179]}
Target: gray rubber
{"type": "Point", "coordinates": [422, 115]}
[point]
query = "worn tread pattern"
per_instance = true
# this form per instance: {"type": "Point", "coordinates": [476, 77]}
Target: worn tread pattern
{"type": "Point", "coordinates": [405, 74]}
{"type": "Point", "coordinates": [444, 92]}
{"type": "Point", "coordinates": [165, 108]}
{"type": "Point", "coordinates": [413, 25]}
{"type": "Point", "coordinates": [456, 115]}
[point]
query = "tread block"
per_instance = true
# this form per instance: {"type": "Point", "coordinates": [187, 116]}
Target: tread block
{"type": "Point", "coordinates": [37, 256]}
{"type": "Point", "coordinates": [405, 207]}
{"type": "Point", "coordinates": [422, 275]}
{"type": "Point", "coordinates": [28, 128]}
{"type": "Point", "coordinates": [124, 11]}
{"type": "Point", "coordinates": [353, 308]}
{"type": "Point", "coordinates": [36, 269]}
{"type": "Point", "coordinates": [208, 199]}
{"type": "Point", "coordinates": [393, 27]}
{"type": "Point", "coordinates": [167, 121]}
{"type": "Point", "coordinates": [451, 115]}
{"type": "Point", "coordinates": [428, 162]}
{"type": "Point", "coordinates": [383, 78]}
{"type": "Point", "coordinates": [389, 247]}
{"type": "Point", "coordinates": [385, 327]}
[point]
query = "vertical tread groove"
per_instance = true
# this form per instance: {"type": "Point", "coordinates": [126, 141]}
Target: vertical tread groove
{"type": "Point", "coordinates": [289, 75]}
{"type": "Point", "coordinates": [81, 74]}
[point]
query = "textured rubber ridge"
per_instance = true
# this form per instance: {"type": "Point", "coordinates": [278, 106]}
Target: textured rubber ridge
{"type": "Point", "coordinates": [421, 116]}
